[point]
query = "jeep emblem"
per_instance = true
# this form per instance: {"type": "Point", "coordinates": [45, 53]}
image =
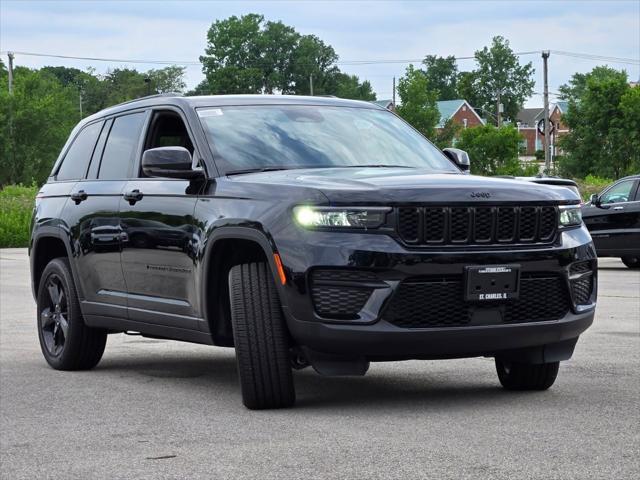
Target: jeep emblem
{"type": "Point", "coordinates": [480, 195]}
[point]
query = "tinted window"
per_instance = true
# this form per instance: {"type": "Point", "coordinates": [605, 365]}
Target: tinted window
{"type": "Point", "coordinates": [75, 163]}
{"type": "Point", "coordinates": [619, 193]}
{"type": "Point", "coordinates": [97, 152]}
{"type": "Point", "coordinates": [120, 150]}
{"type": "Point", "coordinates": [310, 136]}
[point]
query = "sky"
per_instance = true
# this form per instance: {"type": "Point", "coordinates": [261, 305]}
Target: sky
{"type": "Point", "coordinates": [371, 30]}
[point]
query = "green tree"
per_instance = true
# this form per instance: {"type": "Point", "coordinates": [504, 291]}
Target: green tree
{"type": "Point", "coordinates": [36, 120]}
{"type": "Point", "coordinates": [418, 102]}
{"type": "Point", "coordinates": [600, 117]}
{"type": "Point", "coordinates": [123, 84]}
{"type": "Point", "coordinates": [167, 80]}
{"type": "Point", "coordinates": [87, 84]}
{"type": "Point", "coordinates": [349, 86]}
{"type": "Point", "coordinates": [466, 90]}
{"type": "Point", "coordinates": [629, 127]}
{"type": "Point", "coordinates": [493, 151]}
{"type": "Point", "coordinates": [499, 70]}
{"type": "Point", "coordinates": [250, 55]}
{"type": "Point", "coordinates": [314, 58]}
{"type": "Point", "coordinates": [442, 76]}
{"type": "Point", "coordinates": [446, 136]}
{"type": "Point", "coordinates": [232, 62]}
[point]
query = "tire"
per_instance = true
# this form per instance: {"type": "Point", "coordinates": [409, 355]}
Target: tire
{"type": "Point", "coordinates": [66, 342]}
{"type": "Point", "coordinates": [631, 262]}
{"type": "Point", "coordinates": [524, 376]}
{"type": "Point", "coordinates": [261, 338]}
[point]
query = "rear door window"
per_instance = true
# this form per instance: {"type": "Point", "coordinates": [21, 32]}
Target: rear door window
{"type": "Point", "coordinates": [122, 144]}
{"type": "Point", "coordinates": [76, 160]}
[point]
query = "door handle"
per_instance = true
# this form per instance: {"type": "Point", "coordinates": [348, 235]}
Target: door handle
{"type": "Point", "coordinates": [133, 196]}
{"type": "Point", "coordinates": [79, 196]}
{"type": "Point", "coordinates": [618, 208]}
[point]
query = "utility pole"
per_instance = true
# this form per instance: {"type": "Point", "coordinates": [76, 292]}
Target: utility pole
{"type": "Point", "coordinates": [311, 84]}
{"type": "Point", "coordinates": [10, 55]}
{"type": "Point", "coordinates": [498, 116]}
{"type": "Point", "coordinates": [80, 91]}
{"type": "Point", "coordinates": [393, 103]}
{"type": "Point", "coordinates": [547, 154]}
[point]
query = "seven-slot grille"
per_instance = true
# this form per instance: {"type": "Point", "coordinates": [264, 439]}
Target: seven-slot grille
{"type": "Point", "coordinates": [479, 225]}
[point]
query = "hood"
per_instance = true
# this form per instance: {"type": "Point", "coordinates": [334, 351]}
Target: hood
{"type": "Point", "coordinates": [408, 185]}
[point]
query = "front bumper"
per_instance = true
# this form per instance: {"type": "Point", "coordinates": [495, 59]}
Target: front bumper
{"type": "Point", "coordinates": [383, 341]}
{"type": "Point", "coordinates": [371, 336]}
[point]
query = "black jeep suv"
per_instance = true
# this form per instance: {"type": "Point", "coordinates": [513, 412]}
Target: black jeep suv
{"type": "Point", "coordinates": [301, 231]}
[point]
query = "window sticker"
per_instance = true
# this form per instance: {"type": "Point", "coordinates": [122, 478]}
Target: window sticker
{"type": "Point", "coordinates": [210, 112]}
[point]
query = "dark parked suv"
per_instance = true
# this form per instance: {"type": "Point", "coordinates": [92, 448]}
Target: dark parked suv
{"type": "Point", "coordinates": [613, 219]}
{"type": "Point", "coordinates": [302, 231]}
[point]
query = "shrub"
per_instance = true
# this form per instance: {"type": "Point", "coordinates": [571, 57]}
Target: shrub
{"type": "Point", "coordinates": [492, 151]}
{"type": "Point", "coordinates": [16, 206]}
{"type": "Point", "coordinates": [592, 184]}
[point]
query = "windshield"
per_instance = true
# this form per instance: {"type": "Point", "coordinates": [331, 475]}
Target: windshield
{"type": "Point", "coordinates": [245, 138]}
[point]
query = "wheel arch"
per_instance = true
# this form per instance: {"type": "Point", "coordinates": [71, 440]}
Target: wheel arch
{"type": "Point", "coordinates": [46, 245]}
{"type": "Point", "coordinates": [225, 248]}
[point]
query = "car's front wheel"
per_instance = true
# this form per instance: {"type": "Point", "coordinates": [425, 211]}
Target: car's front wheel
{"type": "Point", "coordinates": [260, 337]}
{"type": "Point", "coordinates": [66, 342]}
{"type": "Point", "coordinates": [525, 376]}
{"type": "Point", "coordinates": [631, 262]}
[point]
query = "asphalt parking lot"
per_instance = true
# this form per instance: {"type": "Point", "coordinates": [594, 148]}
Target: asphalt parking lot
{"type": "Point", "coordinates": [163, 409]}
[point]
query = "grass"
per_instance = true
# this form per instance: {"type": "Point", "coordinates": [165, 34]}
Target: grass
{"type": "Point", "coordinates": [16, 206]}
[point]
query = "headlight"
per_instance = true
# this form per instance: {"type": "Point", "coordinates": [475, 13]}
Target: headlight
{"type": "Point", "coordinates": [340, 217]}
{"type": "Point", "coordinates": [570, 215]}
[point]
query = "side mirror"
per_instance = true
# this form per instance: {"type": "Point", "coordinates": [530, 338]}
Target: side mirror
{"type": "Point", "coordinates": [169, 162]}
{"type": "Point", "coordinates": [595, 200]}
{"type": "Point", "coordinates": [459, 157]}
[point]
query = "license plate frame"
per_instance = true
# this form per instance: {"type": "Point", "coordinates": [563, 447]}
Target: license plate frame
{"type": "Point", "coordinates": [492, 283]}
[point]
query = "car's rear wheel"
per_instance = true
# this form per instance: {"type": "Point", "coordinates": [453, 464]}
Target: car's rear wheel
{"type": "Point", "coordinates": [261, 338]}
{"type": "Point", "coordinates": [631, 262]}
{"type": "Point", "coordinates": [66, 342]}
{"type": "Point", "coordinates": [524, 376]}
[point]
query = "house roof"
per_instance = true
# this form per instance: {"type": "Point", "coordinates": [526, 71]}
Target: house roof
{"type": "Point", "coordinates": [383, 103]}
{"type": "Point", "coordinates": [529, 116]}
{"type": "Point", "coordinates": [448, 109]}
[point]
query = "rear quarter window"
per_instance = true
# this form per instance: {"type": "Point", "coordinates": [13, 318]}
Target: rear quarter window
{"type": "Point", "coordinates": [76, 160]}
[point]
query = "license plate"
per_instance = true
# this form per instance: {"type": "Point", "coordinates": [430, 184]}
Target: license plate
{"type": "Point", "coordinates": [491, 283]}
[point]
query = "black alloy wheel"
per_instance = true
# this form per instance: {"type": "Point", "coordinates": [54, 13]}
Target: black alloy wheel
{"type": "Point", "coordinates": [67, 343]}
{"type": "Point", "coordinates": [54, 321]}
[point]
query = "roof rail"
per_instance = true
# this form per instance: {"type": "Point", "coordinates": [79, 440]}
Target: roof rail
{"type": "Point", "coordinates": [157, 95]}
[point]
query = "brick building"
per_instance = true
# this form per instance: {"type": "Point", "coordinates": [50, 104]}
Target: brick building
{"type": "Point", "coordinates": [460, 112]}
{"type": "Point", "coordinates": [527, 122]}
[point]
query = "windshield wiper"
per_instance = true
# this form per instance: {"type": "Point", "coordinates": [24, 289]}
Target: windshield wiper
{"type": "Point", "coordinates": [276, 168]}
{"type": "Point", "coordinates": [257, 170]}
{"type": "Point", "coordinates": [376, 165]}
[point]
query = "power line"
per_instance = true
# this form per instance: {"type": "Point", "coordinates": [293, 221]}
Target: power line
{"type": "Point", "coordinates": [602, 58]}
{"type": "Point", "coordinates": [191, 62]}
{"type": "Point", "coordinates": [99, 59]}
{"type": "Point", "coordinates": [586, 56]}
